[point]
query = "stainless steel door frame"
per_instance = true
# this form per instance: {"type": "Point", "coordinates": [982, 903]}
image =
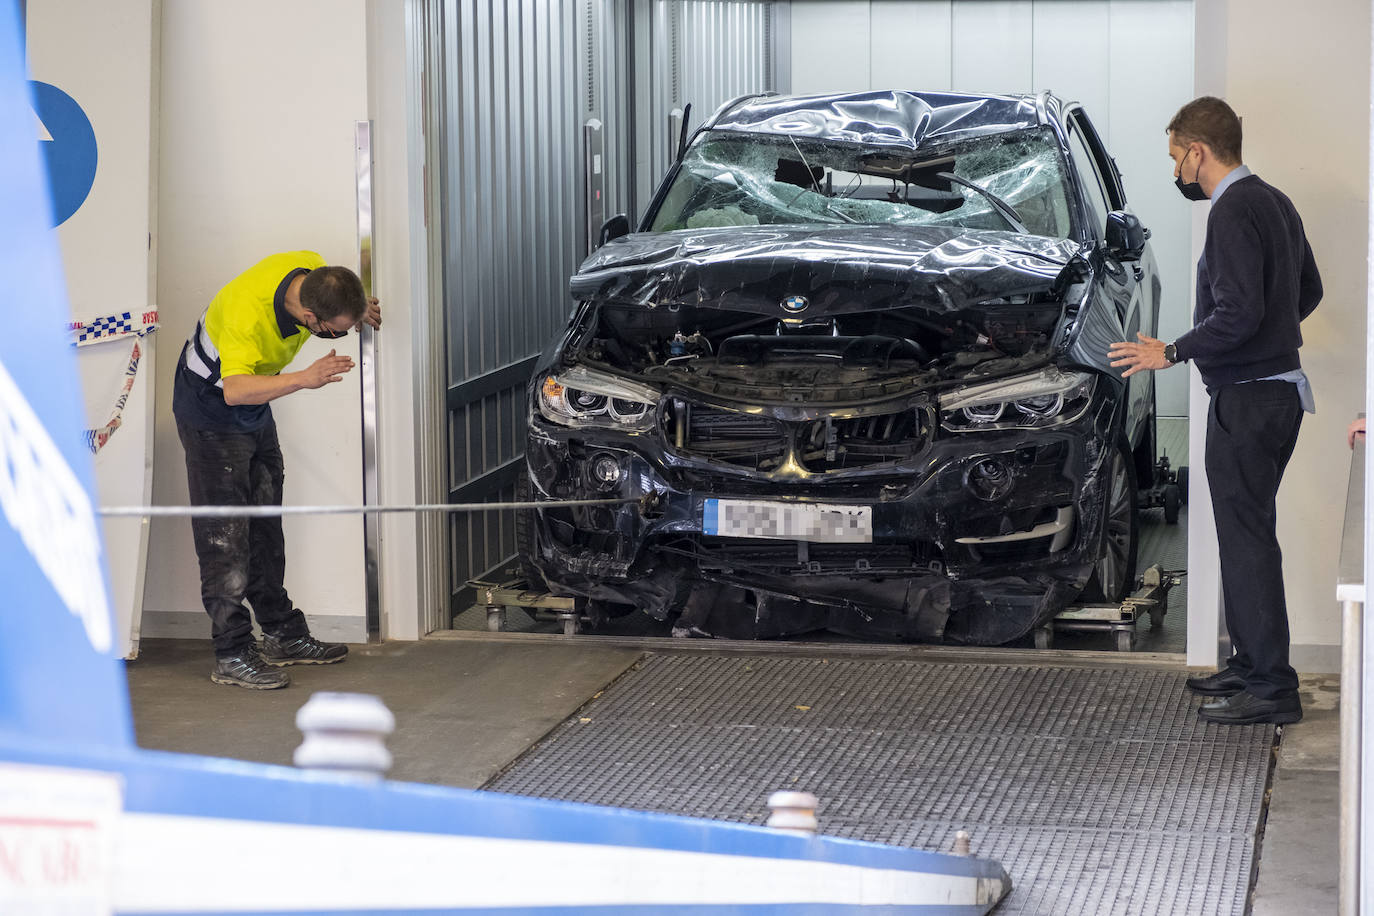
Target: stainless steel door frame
{"type": "Point", "coordinates": [367, 361]}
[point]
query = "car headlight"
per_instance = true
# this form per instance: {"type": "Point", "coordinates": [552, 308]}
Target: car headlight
{"type": "Point", "coordinates": [582, 397]}
{"type": "Point", "coordinates": [1049, 397]}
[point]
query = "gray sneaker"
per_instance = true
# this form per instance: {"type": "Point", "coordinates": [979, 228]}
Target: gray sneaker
{"type": "Point", "coordinates": [247, 669]}
{"type": "Point", "coordinates": [301, 650]}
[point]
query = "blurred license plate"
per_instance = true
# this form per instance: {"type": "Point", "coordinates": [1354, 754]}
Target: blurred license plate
{"type": "Point", "coordinates": [744, 518]}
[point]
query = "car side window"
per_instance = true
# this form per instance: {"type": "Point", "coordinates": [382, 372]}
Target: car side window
{"type": "Point", "coordinates": [1091, 181]}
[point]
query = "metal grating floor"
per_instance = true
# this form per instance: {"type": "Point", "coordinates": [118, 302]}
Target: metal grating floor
{"type": "Point", "coordinates": [1097, 788]}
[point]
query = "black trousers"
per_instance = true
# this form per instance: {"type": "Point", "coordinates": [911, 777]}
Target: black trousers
{"type": "Point", "coordinates": [239, 557]}
{"type": "Point", "coordinates": [1251, 430]}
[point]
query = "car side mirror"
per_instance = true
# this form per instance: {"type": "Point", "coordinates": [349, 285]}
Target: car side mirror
{"type": "Point", "coordinates": [1125, 236]}
{"type": "Point", "coordinates": [614, 228]}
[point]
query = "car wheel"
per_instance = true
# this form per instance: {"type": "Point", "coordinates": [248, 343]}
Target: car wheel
{"type": "Point", "coordinates": [1171, 504]}
{"type": "Point", "coordinates": [525, 548]}
{"type": "Point", "coordinates": [1114, 572]}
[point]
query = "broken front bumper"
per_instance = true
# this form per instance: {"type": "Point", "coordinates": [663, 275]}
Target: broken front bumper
{"type": "Point", "coordinates": [977, 538]}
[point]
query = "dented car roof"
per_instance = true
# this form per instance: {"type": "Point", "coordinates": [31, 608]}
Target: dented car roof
{"type": "Point", "coordinates": [890, 117]}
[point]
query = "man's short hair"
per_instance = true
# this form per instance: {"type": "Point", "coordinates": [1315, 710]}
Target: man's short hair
{"type": "Point", "coordinates": [1211, 121]}
{"type": "Point", "coordinates": [329, 292]}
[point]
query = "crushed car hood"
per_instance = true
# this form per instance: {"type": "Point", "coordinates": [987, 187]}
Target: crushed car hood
{"type": "Point", "coordinates": [836, 269]}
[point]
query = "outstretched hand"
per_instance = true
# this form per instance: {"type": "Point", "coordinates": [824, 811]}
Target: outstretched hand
{"type": "Point", "coordinates": [1138, 357]}
{"type": "Point", "coordinates": [1354, 431]}
{"type": "Point", "coordinates": [326, 369]}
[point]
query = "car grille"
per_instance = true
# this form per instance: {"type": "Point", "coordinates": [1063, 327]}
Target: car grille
{"type": "Point", "coordinates": [860, 442]}
{"type": "Point", "coordinates": [762, 444]}
{"type": "Point", "coordinates": [729, 437]}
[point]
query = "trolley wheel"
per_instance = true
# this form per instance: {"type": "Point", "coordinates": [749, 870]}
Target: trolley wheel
{"type": "Point", "coordinates": [1172, 500]}
{"type": "Point", "coordinates": [1182, 479]}
{"type": "Point", "coordinates": [496, 617]}
{"type": "Point", "coordinates": [1044, 637]}
{"type": "Point", "coordinates": [1125, 640]}
{"type": "Point", "coordinates": [571, 625]}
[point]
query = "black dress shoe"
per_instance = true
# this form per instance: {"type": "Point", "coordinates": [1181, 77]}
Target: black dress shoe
{"type": "Point", "coordinates": [1225, 683]}
{"type": "Point", "coordinates": [1248, 709]}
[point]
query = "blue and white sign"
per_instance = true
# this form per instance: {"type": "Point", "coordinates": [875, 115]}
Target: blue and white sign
{"type": "Point", "coordinates": [67, 140]}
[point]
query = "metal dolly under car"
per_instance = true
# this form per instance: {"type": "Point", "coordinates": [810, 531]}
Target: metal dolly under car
{"type": "Point", "coordinates": [1151, 598]}
{"type": "Point", "coordinates": [497, 596]}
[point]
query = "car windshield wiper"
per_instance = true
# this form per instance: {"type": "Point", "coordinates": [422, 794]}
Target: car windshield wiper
{"type": "Point", "coordinates": [1003, 208]}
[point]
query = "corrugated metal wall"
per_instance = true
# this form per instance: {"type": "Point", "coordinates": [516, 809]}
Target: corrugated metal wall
{"type": "Point", "coordinates": [703, 52]}
{"type": "Point", "coordinates": [521, 80]}
{"type": "Point", "coordinates": [510, 205]}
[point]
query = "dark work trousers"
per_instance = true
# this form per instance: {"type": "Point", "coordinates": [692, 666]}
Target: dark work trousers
{"type": "Point", "coordinates": [1251, 430]}
{"type": "Point", "coordinates": [239, 557]}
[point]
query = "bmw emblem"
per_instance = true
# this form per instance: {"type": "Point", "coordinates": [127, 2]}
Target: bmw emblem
{"type": "Point", "coordinates": [794, 303]}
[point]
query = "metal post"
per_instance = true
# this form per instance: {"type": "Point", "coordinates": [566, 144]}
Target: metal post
{"type": "Point", "coordinates": [368, 366]}
{"type": "Point", "coordinates": [1350, 591]}
{"type": "Point", "coordinates": [595, 179]}
{"type": "Point", "coordinates": [674, 134]}
{"type": "Point", "coordinates": [1352, 667]}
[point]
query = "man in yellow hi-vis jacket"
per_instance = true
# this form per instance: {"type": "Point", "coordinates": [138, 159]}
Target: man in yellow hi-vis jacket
{"type": "Point", "coordinates": [229, 372]}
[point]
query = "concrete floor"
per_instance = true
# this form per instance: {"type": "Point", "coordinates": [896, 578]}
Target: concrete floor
{"type": "Point", "coordinates": [1298, 865]}
{"type": "Point", "coordinates": [467, 707]}
{"type": "Point", "coordinates": [463, 710]}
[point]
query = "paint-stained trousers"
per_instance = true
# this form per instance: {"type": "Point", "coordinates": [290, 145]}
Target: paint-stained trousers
{"type": "Point", "coordinates": [239, 557]}
{"type": "Point", "coordinates": [1251, 430]}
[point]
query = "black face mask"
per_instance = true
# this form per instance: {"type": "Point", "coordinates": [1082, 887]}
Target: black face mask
{"type": "Point", "coordinates": [1190, 189]}
{"type": "Point", "coordinates": [325, 332]}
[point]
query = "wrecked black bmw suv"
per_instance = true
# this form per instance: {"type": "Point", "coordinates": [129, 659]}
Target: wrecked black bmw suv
{"type": "Point", "coordinates": [850, 374]}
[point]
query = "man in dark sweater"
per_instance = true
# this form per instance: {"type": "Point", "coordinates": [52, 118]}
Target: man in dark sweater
{"type": "Point", "coordinates": [1256, 281]}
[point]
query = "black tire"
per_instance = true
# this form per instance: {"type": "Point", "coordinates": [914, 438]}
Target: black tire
{"type": "Point", "coordinates": [1113, 574]}
{"type": "Point", "coordinates": [1183, 485]}
{"type": "Point", "coordinates": [1172, 501]}
{"type": "Point", "coordinates": [525, 548]}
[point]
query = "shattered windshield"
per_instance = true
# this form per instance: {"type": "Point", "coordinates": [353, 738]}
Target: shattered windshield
{"type": "Point", "coordinates": [1000, 181]}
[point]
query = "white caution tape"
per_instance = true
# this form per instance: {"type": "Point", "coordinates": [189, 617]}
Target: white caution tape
{"type": "Point", "coordinates": [96, 438]}
{"type": "Point", "coordinates": [105, 329]}
{"type": "Point", "coordinates": [112, 327]}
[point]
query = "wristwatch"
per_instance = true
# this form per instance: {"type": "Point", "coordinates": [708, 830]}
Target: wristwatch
{"type": "Point", "coordinates": [1171, 353]}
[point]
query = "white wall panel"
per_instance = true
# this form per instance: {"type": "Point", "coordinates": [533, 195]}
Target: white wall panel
{"type": "Point", "coordinates": [911, 46]}
{"type": "Point", "coordinates": [830, 46]}
{"type": "Point", "coordinates": [255, 160]}
{"type": "Point", "coordinates": [991, 45]}
{"type": "Point", "coordinates": [1071, 56]}
{"type": "Point", "coordinates": [1151, 77]}
{"type": "Point", "coordinates": [1302, 92]}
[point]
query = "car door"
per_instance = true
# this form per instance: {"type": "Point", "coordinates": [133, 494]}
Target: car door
{"type": "Point", "coordinates": [1122, 285]}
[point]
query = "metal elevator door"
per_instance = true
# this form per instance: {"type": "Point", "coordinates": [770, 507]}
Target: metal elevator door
{"type": "Point", "coordinates": [510, 222]}
{"type": "Point", "coordinates": [527, 90]}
